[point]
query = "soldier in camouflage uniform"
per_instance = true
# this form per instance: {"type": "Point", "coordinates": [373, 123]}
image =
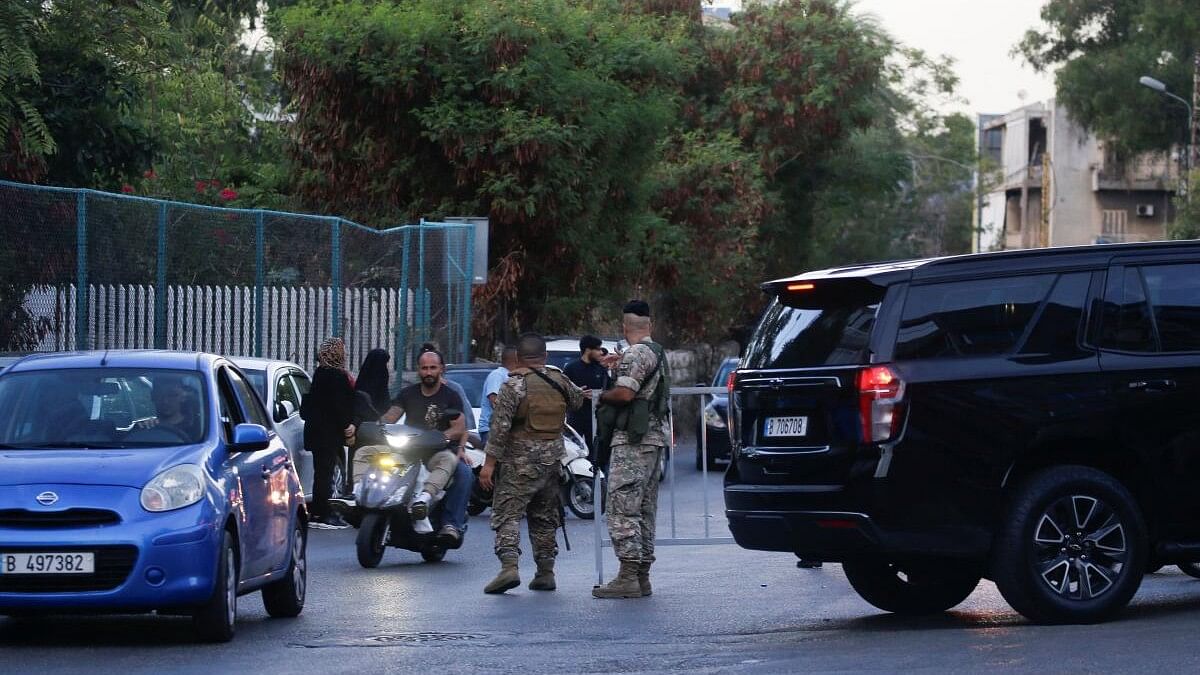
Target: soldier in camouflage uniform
{"type": "Point", "coordinates": [526, 437]}
{"type": "Point", "coordinates": [642, 386]}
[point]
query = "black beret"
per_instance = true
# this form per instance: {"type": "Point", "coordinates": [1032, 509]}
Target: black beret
{"type": "Point", "coordinates": [638, 307]}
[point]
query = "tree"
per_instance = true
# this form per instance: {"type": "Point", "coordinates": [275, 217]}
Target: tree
{"type": "Point", "coordinates": [1102, 47]}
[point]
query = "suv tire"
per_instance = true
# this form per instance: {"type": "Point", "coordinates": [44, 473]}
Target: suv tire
{"type": "Point", "coordinates": [1096, 526]}
{"type": "Point", "coordinates": [924, 587]}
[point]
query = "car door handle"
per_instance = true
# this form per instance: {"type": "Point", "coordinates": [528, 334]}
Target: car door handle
{"type": "Point", "coordinates": [1152, 385]}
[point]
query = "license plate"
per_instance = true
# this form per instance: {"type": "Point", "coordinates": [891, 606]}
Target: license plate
{"type": "Point", "coordinates": [786, 426]}
{"type": "Point", "coordinates": [47, 563]}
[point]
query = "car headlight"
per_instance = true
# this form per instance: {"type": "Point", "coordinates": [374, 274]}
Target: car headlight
{"type": "Point", "coordinates": [174, 488]}
{"type": "Point", "coordinates": [714, 419]}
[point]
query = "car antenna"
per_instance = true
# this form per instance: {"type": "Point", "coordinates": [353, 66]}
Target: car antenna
{"type": "Point", "coordinates": [104, 359]}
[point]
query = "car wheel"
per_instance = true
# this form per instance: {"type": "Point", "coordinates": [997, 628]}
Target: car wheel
{"type": "Point", "coordinates": [285, 598]}
{"type": "Point", "coordinates": [1191, 569]}
{"type": "Point", "coordinates": [372, 539]}
{"type": "Point", "coordinates": [924, 587]}
{"type": "Point", "coordinates": [214, 621]}
{"type": "Point", "coordinates": [1072, 548]}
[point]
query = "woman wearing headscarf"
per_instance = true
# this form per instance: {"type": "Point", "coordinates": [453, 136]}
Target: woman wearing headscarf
{"type": "Point", "coordinates": [373, 379]}
{"type": "Point", "coordinates": [328, 413]}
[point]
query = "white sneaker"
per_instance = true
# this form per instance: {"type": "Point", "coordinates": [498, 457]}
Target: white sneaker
{"type": "Point", "coordinates": [422, 526]}
{"type": "Point", "coordinates": [420, 506]}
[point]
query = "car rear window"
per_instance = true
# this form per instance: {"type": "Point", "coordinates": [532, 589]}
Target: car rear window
{"type": "Point", "coordinates": [969, 318]}
{"type": "Point", "coordinates": [826, 331]}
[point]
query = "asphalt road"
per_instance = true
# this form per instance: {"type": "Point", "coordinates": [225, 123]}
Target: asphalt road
{"type": "Point", "coordinates": [714, 609]}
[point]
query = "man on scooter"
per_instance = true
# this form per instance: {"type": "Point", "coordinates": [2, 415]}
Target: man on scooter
{"type": "Point", "coordinates": [422, 405]}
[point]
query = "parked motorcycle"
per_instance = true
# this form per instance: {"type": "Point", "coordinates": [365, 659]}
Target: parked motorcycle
{"type": "Point", "coordinates": [388, 475]}
{"type": "Point", "coordinates": [578, 476]}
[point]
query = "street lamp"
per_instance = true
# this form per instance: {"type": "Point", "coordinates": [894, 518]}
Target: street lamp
{"type": "Point", "coordinates": [1158, 86]}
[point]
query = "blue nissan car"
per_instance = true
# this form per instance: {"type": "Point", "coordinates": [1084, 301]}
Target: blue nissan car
{"type": "Point", "coordinates": [136, 481]}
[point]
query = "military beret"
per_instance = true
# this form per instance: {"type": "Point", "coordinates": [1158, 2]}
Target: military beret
{"type": "Point", "coordinates": [638, 307]}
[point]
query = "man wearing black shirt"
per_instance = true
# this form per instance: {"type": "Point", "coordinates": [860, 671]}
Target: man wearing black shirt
{"type": "Point", "coordinates": [587, 373]}
{"type": "Point", "coordinates": [422, 405]}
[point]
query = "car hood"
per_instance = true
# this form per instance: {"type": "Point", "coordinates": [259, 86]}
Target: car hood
{"type": "Point", "coordinates": [129, 468]}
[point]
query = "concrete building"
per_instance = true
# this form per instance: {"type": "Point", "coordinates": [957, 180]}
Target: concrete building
{"type": "Point", "coordinates": [1051, 183]}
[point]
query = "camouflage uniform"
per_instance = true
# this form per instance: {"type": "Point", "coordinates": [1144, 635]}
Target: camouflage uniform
{"type": "Point", "coordinates": [633, 469]}
{"type": "Point", "coordinates": [528, 482]}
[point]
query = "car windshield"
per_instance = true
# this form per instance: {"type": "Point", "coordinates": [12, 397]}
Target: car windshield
{"type": "Point", "coordinates": [471, 380]}
{"type": "Point", "coordinates": [722, 376]}
{"type": "Point", "coordinates": [826, 332]}
{"type": "Point", "coordinates": [561, 359]}
{"type": "Point", "coordinates": [102, 408]}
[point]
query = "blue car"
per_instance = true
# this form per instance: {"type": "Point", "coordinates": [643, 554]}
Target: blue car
{"type": "Point", "coordinates": [134, 481]}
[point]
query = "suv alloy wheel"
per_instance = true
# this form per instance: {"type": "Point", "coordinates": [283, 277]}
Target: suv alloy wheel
{"type": "Point", "coordinates": [1073, 547]}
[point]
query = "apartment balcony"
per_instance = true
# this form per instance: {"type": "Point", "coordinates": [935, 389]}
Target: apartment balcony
{"type": "Point", "coordinates": [1148, 172]}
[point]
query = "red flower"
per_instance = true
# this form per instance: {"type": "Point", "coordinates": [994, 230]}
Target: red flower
{"type": "Point", "coordinates": [150, 174]}
{"type": "Point", "coordinates": [201, 186]}
{"type": "Point", "coordinates": [228, 194]}
{"type": "Point", "coordinates": [127, 189]}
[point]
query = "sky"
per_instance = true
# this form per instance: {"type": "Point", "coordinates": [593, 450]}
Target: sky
{"type": "Point", "coordinates": [978, 34]}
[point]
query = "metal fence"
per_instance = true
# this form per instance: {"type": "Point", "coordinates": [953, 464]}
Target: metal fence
{"type": "Point", "coordinates": [702, 395]}
{"type": "Point", "coordinates": [81, 269]}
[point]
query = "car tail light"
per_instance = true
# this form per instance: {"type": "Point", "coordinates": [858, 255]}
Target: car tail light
{"type": "Point", "coordinates": [880, 400]}
{"type": "Point", "coordinates": [730, 382]}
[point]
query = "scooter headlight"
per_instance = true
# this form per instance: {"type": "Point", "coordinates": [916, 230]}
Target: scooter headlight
{"type": "Point", "coordinates": [397, 441]}
{"type": "Point", "coordinates": [387, 462]}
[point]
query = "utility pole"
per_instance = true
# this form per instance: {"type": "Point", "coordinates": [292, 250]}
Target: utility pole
{"type": "Point", "coordinates": [1193, 150]}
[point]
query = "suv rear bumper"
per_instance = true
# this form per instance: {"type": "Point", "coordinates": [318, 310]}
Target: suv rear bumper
{"type": "Point", "coordinates": [832, 534]}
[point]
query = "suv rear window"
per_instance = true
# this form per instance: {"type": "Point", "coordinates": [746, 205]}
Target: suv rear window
{"type": "Point", "coordinates": [969, 318]}
{"type": "Point", "coordinates": [831, 333]}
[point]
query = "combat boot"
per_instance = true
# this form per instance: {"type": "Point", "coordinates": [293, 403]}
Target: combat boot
{"type": "Point", "coordinates": [506, 579]}
{"type": "Point", "coordinates": [624, 586]}
{"type": "Point", "coordinates": [644, 579]}
{"type": "Point", "coordinates": [544, 579]}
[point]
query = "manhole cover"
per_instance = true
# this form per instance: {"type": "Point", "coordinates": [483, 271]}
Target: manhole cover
{"type": "Point", "coordinates": [389, 640]}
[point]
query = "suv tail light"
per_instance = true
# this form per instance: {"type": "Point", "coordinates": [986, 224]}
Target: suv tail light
{"type": "Point", "coordinates": [880, 403]}
{"type": "Point", "coordinates": [730, 382]}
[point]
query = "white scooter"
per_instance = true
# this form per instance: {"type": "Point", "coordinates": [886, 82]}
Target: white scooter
{"type": "Point", "coordinates": [578, 478]}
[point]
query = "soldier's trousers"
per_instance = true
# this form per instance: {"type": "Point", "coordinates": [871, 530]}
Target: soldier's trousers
{"type": "Point", "coordinates": [633, 501]}
{"type": "Point", "coordinates": [531, 491]}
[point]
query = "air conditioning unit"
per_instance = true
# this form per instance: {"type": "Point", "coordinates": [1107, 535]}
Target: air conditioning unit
{"type": "Point", "coordinates": [1145, 210]}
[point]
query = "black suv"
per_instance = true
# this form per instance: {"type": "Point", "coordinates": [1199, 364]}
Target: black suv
{"type": "Point", "coordinates": [1032, 417]}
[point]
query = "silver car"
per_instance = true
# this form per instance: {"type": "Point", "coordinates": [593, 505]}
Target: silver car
{"type": "Point", "coordinates": [283, 386]}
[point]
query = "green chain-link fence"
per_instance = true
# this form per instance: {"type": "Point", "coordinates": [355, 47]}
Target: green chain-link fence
{"type": "Point", "coordinates": [81, 269]}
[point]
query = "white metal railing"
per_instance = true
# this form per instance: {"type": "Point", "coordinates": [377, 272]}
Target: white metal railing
{"type": "Point", "coordinates": [600, 522]}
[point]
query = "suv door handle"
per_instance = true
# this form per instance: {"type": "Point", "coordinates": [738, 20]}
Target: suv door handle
{"type": "Point", "coordinates": [1152, 385]}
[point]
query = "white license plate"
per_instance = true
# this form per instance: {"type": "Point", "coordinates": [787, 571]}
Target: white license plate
{"type": "Point", "coordinates": [786, 426]}
{"type": "Point", "coordinates": [47, 563]}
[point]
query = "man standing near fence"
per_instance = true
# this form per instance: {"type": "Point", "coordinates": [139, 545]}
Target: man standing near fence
{"type": "Point", "coordinates": [642, 430]}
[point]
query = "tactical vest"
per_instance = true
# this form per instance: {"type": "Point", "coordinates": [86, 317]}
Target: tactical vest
{"type": "Point", "coordinates": [542, 413]}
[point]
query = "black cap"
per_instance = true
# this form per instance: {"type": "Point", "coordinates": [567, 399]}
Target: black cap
{"type": "Point", "coordinates": [638, 307]}
{"type": "Point", "coordinates": [589, 342]}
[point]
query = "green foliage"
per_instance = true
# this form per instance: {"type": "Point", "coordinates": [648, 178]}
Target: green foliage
{"type": "Point", "coordinates": [1187, 212]}
{"type": "Point", "coordinates": [1102, 47]}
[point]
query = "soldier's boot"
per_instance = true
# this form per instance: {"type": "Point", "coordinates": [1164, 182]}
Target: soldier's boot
{"type": "Point", "coordinates": [624, 586]}
{"type": "Point", "coordinates": [544, 579]}
{"type": "Point", "coordinates": [644, 579]}
{"type": "Point", "coordinates": [506, 579]}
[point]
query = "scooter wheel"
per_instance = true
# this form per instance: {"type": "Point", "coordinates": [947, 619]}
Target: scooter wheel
{"type": "Point", "coordinates": [433, 556]}
{"type": "Point", "coordinates": [372, 539]}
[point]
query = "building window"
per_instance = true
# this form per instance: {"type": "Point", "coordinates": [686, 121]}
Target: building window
{"type": "Point", "coordinates": [1115, 222]}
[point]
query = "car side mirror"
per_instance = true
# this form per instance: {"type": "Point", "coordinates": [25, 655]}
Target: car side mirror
{"type": "Point", "coordinates": [249, 438]}
{"type": "Point", "coordinates": [284, 410]}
